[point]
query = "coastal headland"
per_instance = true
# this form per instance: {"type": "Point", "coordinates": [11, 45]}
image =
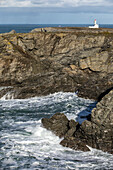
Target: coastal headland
{"type": "Point", "coordinates": [50, 60]}
{"type": "Point", "coordinates": [60, 59]}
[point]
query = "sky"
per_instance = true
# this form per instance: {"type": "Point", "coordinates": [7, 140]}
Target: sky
{"type": "Point", "coordinates": [56, 11]}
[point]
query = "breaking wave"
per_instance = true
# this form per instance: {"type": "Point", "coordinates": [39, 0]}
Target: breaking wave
{"type": "Point", "coordinates": [25, 144]}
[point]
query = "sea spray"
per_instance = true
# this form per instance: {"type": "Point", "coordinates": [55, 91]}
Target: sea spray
{"type": "Point", "coordinates": [25, 144]}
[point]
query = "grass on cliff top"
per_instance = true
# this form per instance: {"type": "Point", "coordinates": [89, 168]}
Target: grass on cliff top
{"type": "Point", "coordinates": [79, 31]}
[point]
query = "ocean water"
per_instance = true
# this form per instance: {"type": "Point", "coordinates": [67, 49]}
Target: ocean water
{"type": "Point", "coordinates": [25, 28]}
{"type": "Point", "coordinates": [26, 145]}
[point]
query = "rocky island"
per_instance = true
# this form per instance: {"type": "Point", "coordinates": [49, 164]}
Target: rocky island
{"type": "Point", "coordinates": [69, 60]}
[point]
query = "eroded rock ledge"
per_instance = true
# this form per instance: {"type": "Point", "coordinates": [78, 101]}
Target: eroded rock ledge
{"type": "Point", "coordinates": [67, 60]}
{"type": "Point", "coordinates": [96, 133]}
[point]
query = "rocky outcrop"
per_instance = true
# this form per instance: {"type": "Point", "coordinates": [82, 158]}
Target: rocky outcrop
{"type": "Point", "coordinates": [58, 124]}
{"type": "Point", "coordinates": [62, 127]}
{"type": "Point", "coordinates": [96, 133]}
{"type": "Point", "coordinates": [66, 60]}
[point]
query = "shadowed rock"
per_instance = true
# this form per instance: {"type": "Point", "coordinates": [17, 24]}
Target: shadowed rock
{"type": "Point", "coordinates": [58, 124]}
{"type": "Point", "coordinates": [96, 133]}
{"type": "Point", "coordinates": [62, 127]}
{"type": "Point", "coordinates": [74, 143]}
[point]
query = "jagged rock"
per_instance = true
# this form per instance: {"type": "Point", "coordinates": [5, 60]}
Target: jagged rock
{"type": "Point", "coordinates": [74, 143]}
{"type": "Point", "coordinates": [73, 126]}
{"type": "Point", "coordinates": [62, 127]}
{"type": "Point", "coordinates": [70, 132]}
{"type": "Point", "coordinates": [58, 124]}
{"type": "Point", "coordinates": [61, 59]}
{"type": "Point", "coordinates": [72, 123]}
{"type": "Point", "coordinates": [96, 133]}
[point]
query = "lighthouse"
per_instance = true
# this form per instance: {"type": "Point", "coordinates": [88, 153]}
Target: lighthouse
{"type": "Point", "coordinates": [95, 25]}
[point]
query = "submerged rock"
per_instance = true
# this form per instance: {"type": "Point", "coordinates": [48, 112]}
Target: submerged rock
{"type": "Point", "coordinates": [96, 133]}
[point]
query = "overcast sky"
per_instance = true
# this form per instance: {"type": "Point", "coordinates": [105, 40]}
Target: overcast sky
{"type": "Point", "coordinates": [56, 11]}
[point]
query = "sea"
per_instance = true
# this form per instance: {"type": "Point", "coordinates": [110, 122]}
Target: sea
{"type": "Point", "coordinates": [26, 145]}
{"type": "Point", "coordinates": [25, 28]}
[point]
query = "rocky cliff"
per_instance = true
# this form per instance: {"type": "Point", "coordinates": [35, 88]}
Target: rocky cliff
{"type": "Point", "coordinates": [97, 132]}
{"type": "Point", "coordinates": [40, 63]}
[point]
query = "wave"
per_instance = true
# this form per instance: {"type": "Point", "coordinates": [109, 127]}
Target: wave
{"type": "Point", "coordinates": [25, 144]}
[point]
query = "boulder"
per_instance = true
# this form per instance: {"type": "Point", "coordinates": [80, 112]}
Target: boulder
{"type": "Point", "coordinates": [62, 127]}
{"type": "Point", "coordinates": [58, 124]}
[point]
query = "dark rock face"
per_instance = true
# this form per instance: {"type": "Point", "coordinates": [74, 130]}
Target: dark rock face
{"type": "Point", "coordinates": [62, 127]}
{"type": "Point", "coordinates": [96, 133]}
{"type": "Point", "coordinates": [74, 143]}
{"type": "Point", "coordinates": [70, 140]}
{"type": "Point", "coordinates": [58, 124]}
{"type": "Point", "coordinates": [40, 63]}
{"type": "Point", "coordinates": [100, 128]}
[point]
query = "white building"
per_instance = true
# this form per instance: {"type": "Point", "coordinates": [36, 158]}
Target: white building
{"type": "Point", "coordinates": [95, 25]}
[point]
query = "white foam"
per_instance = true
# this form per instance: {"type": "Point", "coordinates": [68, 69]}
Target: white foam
{"type": "Point", "coordinates": [26, 141]}
{"type": "Point", "coordinates": [8, 96]}
{"type": "Point", "coordinates": [5, 87]}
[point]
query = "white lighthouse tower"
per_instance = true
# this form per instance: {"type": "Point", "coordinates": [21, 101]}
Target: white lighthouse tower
{"type": "Point", "coordinates": [95, 25]}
